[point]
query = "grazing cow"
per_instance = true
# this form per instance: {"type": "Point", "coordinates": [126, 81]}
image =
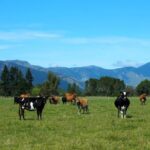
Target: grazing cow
{"type": "Point", "coordinates": [31, 104]}
{"type": "Point", "coordinates": [143, 98]}
{"type": "Point", "coordinates": [122, 103]}
{"type": "Point", "coordinates": [69, 97]}
{"type": "Point", "coordinates": [82, 105]}
{"type": "Point", "coordinates": [54, 100]}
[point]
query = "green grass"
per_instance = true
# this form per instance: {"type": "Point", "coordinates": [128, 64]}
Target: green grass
{"type": "Point", "coordinates": [63, 129]}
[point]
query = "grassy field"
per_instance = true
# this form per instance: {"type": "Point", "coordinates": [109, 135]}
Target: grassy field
{"type": "Point", "coordinates": [63, 129]}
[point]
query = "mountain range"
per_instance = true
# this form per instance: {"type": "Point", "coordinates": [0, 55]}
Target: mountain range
{"type": "Point", "coordinates": [131, 75]}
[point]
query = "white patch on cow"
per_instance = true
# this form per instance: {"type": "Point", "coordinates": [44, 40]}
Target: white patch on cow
{"type": "Point", "coordinates": [122, 111]}
{"type": "Point", "coordinates": [123, 108]}
{"type": "Point", "coordinates": [124, 93]}
{"type": "Point", "coordinates": [121, 115]}
{"type": "Point", "coordinates": [31, 105]}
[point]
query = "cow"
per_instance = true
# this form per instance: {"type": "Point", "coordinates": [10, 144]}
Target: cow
{"type": "Point", "coordinates": [122, 103]}
{"type": "Point", "coordinates": [143, 98]}
{"type": "Point", "coordinates": [25, 95]}
{"type": "Point", "coordinates": [69, 97]}
{"type": "Point", "coordinates": [54, 99]}
{"type": "Point", "coordinates": [64, 100]}
{"type": "Point", "coordinates": [31, 104]}
{"type": "Point", "coordinates": [82, 104]}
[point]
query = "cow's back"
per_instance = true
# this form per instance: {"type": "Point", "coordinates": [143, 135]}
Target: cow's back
{"type": "Point", "coordinates": [70, 96]}
{"type": "Point", "coordinates": [83, 101]}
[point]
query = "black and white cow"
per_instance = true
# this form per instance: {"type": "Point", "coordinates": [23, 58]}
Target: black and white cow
{"type": "Point", "coordinates": [31, 104]}
{"type": "Point", "coordinates": [122, 103]}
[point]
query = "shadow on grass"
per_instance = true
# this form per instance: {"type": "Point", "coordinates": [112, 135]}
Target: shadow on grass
{"type": "Point", "coordinates": [30, 119]}
{"type": "Point", "coordinates": [129, 116]}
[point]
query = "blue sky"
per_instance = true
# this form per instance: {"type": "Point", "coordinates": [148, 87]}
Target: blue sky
{"type": "Point", "coordinates": [72, 33]}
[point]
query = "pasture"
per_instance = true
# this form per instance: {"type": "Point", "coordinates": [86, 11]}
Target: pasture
{"type": "Point", "coordinates": [63, 129]}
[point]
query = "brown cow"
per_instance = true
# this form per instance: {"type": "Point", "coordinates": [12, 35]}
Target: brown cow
{"type": "Point", "coordinates": [82, 104]}
{"type": "Point", "coordinates": [69, 97]}
{"type": "Point", "coordinates": [54, 99]}
{"type": "Point", "coordinates": [24, 95]}
{"type": "Point", "coordinates": [143, 98]}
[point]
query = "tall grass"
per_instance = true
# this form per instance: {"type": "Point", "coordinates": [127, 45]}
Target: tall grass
{"type": "Point", "coordinates": [63, 129]}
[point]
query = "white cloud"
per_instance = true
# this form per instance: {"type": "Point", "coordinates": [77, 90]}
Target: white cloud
{"type": "Point", "coordinates": [18, 35]}
{"type": "Point", "coordinates": [127, 63]}
{"type": "Point", "coordinates": [27, 35]}
{"type": "Point", "coordinates": [108, 41]}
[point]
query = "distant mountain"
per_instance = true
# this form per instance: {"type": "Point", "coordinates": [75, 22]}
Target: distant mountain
{"type": "Point", "coordinates": [131, 75]}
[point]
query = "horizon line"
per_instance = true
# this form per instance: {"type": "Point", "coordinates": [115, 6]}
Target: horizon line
{"type": "Point", "coordinates": [58, 66]}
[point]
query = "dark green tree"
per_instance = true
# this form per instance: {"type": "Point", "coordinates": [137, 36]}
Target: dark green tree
{"type": "Point", "coordinates": [21, 84]}
{"type": "Point", "coordinates": [5, 83]}
{"type": "Point", "coordinates": [14, 83]}
{"type": "Point", "coordinates": [50, 87]}
{"type": "Point", "coordinates": [29, 80]}
{"type": "Point", "coordinates": [91, 87]}
{"type": "Point", "coordinates": [109, 86]}
{"type": "Point", "coordinates": [131, 90]}
{"type": "Point", "coordinates": [105, 86]}
{"type": "Point", "coordinates": [143, 87]}
{"type": "Point", "coordinates": [74, 88]}
{"type": "Point", "coordinates": [13, 79]}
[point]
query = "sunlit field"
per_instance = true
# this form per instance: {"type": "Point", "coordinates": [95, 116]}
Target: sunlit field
{"type": "Point", "coordinates": [62, 128]}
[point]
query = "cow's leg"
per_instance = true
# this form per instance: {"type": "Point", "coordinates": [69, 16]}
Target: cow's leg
{"type": "Point", "coordinates": [144, 101]}
{"type": "Point", "coordinates": [83, 109]}
{"type": "Point", "coordinates": [118, 112]}
{"type": "Point", "coordinates": [23, 114]}
{"type": "Point", "coordinates": [38, 114]}
{"type": "Point", "coordinates": [125, 113]}
{"type": "Point", "coordinates": [41, 114]}
{"type": "Point", "coordinates": [87, 109]}
{"type": "Point", "coordinates": [79, 109]}
{"type": "Point", "coordinates": [19, 112]}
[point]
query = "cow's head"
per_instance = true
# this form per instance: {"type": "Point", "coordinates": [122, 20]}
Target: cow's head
{"type": "Point", "coordinates": [123, 95]}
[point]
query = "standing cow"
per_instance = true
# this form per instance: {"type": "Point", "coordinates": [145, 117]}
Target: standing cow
{"type": "Point", "coordinates": [122, 103]}
{"type": "Point", "coordinates": [69, 97]}
{"type": "Point", "coordinates": [54, 99]}
{"type": "Point", "coordinates": [82, 104]}
{"type": "Point", "coordinates": [31, 104]}
{"type": "Point", "coordinates": [143, 98]}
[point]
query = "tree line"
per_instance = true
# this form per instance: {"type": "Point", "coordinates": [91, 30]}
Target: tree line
{"type": "Point", "coordinates": [109, 86]}
{"type": "Point", "coordinates": [13, 83]}
{"type": "Point", "coordinates": [105, 86]}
